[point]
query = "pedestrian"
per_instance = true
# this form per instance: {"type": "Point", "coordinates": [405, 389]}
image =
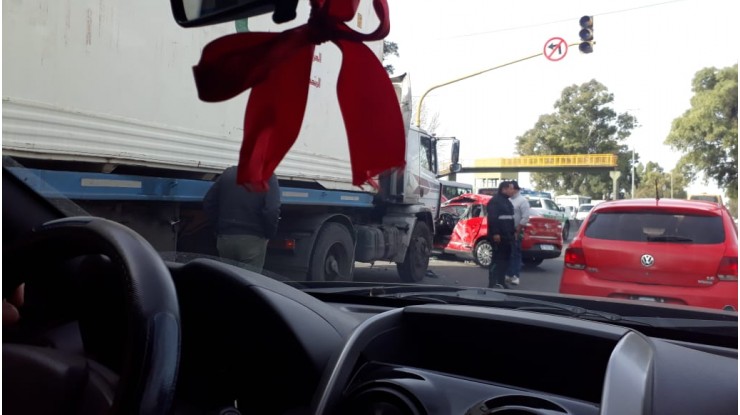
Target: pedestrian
{"type": "Point", "coordinates": [521, 218]}
{"type": "Point", "coordinates": [501, 232]}
{"type": "Point", "coordinates": [244, 220]}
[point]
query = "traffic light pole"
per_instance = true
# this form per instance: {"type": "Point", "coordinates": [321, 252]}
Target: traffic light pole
{"type": "Point", "coordinates": [585, 45]}
{"type": "Point", "coordinates": [421, 100]}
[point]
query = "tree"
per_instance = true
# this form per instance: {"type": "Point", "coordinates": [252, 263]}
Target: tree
{"type": "Point", "coordinates": [707, 132]}
{"type": "Point", "coordinates": [653, 175]}
{"type": "Point", "coordinates": [429, 122]}
{"type": "Point", "coordinates": [583, 123]}
{"type": "Point", "coordinates": [389, 48]}
{"type": "Point", "coordinates": [732, 205]}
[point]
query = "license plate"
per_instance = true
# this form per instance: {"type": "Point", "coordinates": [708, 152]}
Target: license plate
{"type": "Point", "coordinates": [547, 247]}
{"type": "Point", "coordinates": [642, 298]}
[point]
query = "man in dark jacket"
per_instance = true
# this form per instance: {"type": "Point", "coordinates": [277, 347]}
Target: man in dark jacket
{"type": "Point", "coordinates": [501, 233]}
{"type": "Point", "coordinates": [244, 220]}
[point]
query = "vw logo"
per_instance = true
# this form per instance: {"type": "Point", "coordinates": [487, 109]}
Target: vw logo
{"type": "Point", "coordinates": [647, 260]}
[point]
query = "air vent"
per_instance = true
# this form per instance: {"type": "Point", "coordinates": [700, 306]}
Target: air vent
{"type": "Point", "coordinates": [381, 400]}
{"type": "Point", "coordinates": [516, 405]}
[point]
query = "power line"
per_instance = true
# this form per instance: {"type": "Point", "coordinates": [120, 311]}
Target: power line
{"type": "Point", "coordinates": [508, 29]}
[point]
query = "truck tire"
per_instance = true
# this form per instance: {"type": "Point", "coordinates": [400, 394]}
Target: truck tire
{"type": "Point", "coordinates": [333, 257]}
{"type": "Point", "coordinates": [483, 253]}
{"type": "Point", "coordinates": [415, 265]}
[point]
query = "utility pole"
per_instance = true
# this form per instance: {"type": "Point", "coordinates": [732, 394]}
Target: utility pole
{"type": "Point", "coordinates": [632, 192]}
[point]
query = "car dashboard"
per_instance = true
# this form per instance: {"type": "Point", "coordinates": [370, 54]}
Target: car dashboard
{"type": "Point", "coordinates": [262, 339]}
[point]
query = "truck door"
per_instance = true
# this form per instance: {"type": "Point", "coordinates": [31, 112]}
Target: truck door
{"type": "Point", "coordinates": [428, 183]}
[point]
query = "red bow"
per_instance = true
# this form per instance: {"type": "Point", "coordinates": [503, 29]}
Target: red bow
{"type": "Point", "coordinates": [277, 66]}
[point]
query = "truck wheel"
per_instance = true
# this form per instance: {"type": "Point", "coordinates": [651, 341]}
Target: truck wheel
{"type": "Point", "coordinates": [414, 267]}
{"type": "Point", "coordinates": [483, 253]}
{"type": "Point", "coordinates": [333, 254]}
{"type": "Point", "coordinates": [566, 230]}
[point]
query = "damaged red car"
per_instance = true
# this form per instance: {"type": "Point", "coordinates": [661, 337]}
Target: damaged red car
{"type": "Point", "coordinates": [462, 231]}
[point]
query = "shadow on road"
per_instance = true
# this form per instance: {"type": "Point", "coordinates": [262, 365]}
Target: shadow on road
{"type": "Point", "coordinates": [449, 271]}
{"type": "Point", "coordinates": [544, 277]}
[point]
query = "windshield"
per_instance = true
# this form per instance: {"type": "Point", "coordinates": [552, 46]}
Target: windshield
{"type": "Point", "coordinates": [102, 116]}
{"type": "Point", "coordinates": [456, 210]}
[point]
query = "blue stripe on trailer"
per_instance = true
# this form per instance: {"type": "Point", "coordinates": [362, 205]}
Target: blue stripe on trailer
{"type": "Point", "coordinates": [102, 186]}
{"type": "Point", "coordinates": [298, 196]}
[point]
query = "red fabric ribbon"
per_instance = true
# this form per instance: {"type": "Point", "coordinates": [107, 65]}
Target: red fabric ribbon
{"type": "Point", "coordinates": [277, 66]}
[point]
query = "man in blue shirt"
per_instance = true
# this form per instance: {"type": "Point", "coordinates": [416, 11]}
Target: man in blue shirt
{"type": "Point", "coordinates": [501, 232]}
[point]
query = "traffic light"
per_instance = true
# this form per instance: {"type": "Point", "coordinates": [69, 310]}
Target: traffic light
{"type": "Point", "coordinates": [586, 34]}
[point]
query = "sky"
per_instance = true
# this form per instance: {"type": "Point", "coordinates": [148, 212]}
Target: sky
{"type": "Point", "coordinates": [646, 53]}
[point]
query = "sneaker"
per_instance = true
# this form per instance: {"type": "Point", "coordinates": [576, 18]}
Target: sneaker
{"type": "Point", "coordinates": [508, 279]}
{"type": "Point", "coordinates": [513, 281]}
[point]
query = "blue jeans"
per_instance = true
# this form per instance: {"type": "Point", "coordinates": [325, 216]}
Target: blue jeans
{"type": "Point", "coordinates": [515, 265]}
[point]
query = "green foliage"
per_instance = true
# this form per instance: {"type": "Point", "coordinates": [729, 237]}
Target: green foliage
{"type": "Point", "coordinates": [429, 120]}
{"type": "Point", "coordinates": [707, 132]}
{"type": "Point", "coordinates": [652, 174]}
{"type": "Point", "coordinates": [584, 122]}
{"type": "Point", "coordinates": [389, 48]}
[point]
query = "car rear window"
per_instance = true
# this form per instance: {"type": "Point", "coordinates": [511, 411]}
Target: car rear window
{"type": "Point", "coordinates": [656, 227]}
{"type": "Point", "coordinates": [535, 203]}
{"type": "Point", "coordinates": [706, 198]}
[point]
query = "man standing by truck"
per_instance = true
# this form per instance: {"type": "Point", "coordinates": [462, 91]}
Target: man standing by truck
{"type": "Point", "coordinates": [501, 230]}
{"type": "Point", "coordinates": [244, 221]}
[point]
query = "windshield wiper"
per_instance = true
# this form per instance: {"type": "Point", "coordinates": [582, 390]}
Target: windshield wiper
{"type": "Point", "coordinates": [669, 238]}
{"type": "Point", "coordinates": [484, 296]}
{"type": "Point", "coordinates": [473, 296]}
{"type": "Point", "coordinates": [502, 299]}
{"type": "Point", "coordinates": [380, 290]}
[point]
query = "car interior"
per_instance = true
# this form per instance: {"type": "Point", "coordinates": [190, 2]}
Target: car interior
{"type": "Point", "coordinates": [109, 327]}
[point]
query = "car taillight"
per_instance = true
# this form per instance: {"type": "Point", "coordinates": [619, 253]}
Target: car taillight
{"type": "Point", "coordinates": [727, 270]}
{"type": "Point", "coordinates": [575, 258]}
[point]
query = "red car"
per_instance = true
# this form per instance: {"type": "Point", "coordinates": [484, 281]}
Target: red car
{"type": "Point", "coordinates": [666, 250]}
{"type": "Point", "coordinates": [463, 227]}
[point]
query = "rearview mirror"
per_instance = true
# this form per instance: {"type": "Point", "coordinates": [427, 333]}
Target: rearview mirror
{"type": "Point", "coordinates": [193, 13]}
{"type": "Point", "coordinates": [456, 152]}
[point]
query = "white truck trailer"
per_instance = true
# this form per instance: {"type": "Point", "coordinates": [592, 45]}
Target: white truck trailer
{"type": "Point", "coordinates": [107, 114]}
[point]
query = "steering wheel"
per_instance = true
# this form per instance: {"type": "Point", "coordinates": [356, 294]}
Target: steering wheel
{"type": "Point", "coordinates": [447, 222]}
{"type": "Point", "coordinates": [45, 380]}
